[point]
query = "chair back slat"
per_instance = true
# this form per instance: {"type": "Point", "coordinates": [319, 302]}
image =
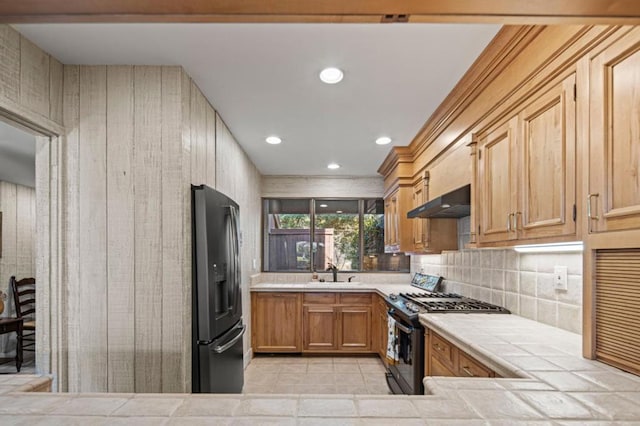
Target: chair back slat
{"type": "Point", "coordinates": [24, 296]}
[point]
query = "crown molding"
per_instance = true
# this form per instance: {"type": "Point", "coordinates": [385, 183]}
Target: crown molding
{"type": "Point", "coordinates": [487, 11]}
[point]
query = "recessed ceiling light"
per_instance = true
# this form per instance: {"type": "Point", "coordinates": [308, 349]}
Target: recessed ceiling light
{"type": "Point", "coordinates": [338, 211]}
{"type": "Point", "coordinates": [323, 205]}
{"type": "Point", "coordinates": [273, 140]}
{"type": "Point", "coordinates": [383, 140]}
{"type": "Point", "coordinates": [331, 75]}
{"type": "Point", "coordinates": [333, 166]}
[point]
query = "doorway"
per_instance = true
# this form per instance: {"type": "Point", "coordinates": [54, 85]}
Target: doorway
{"type": "Point", "coordinates": [49, 268]}
{"type": "Point", "coordinates": [17, 238]}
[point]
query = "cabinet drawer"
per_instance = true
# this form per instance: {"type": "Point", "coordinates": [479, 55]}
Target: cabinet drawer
{"type": "Point", "coordinates": [320, 298]}
{"type": "Point", "coordinates": [443, 350]}
{"type": "Point", "coordinates": [468, 367]}
{"type": "Point", "coordinates": [439, 369]}
{"type": "Point", "coordinates": [355, 298]}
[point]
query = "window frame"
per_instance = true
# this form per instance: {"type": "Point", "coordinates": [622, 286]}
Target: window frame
{"type": "Point", "coordinates": [312, 213]}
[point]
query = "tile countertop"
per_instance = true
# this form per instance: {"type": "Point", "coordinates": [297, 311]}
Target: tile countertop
{"type": "Point", "coordinates": [549, 378]}
{"type": "Point", "coordinates": [550, 385]}
{"type": "Point", "coordinates": [380, 288]}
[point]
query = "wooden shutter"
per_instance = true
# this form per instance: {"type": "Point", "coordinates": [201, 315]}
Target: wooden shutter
{"type": "Point", "coordinates": [618, 308]}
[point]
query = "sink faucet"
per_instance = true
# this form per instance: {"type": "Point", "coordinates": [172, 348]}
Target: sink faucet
{"type": "Point", "coordinates": [350, 278]}
{"type": "Point", "coordinates": [334, 270]}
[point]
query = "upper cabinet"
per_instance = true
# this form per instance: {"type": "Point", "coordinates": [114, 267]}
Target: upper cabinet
{"type": "Point", "coordinates": [391, 242]}
{"type": "Point", "coordinates": [548, 164]}
{"type": "Point", "coordinates": [397, 228]}
{"type": "Point", "coordinates": [497, 181]}
{"type": "Point", "coordinates": [613, 201]}
{"type": "Point", "coordinates": [527, 168]}
{"type": "Point", "coordinates": [419, 225]}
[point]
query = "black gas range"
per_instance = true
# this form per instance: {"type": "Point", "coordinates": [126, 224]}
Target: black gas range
{"type": "Point", "coordinates": [409, 305]}
{"type": "Point", "coordinates": [405, 374]}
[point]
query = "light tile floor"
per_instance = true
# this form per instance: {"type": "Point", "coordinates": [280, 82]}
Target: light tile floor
{"type": "Point", "coordinates": [315, 375]}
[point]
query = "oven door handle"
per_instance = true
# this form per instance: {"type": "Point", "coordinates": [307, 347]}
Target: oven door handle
{"type": "Point", "coordinates": [406, 329]}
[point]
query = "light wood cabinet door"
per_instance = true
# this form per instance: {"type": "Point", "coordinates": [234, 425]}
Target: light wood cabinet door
{"type": "Point", "coordinates": [376, 341]}
{"type": "Point", "coordinates": [276, 322]}
{"type": "Point", "coordinates": [391, 241]}
{"type": "Point", "coordinates": [383, 329]}
{"type": "Point", "coordinates": [419, 225]}
{"type": "Point", "coordinates": [614, 169]}
{"type": "Point", "coordinates": [547, 155]}
{"type": "Point", "coordinates": [355, 328]}
{"type": "Point", "coordinates": [498, 183]}
{"type": "Point", "coordinates": [320, 328]}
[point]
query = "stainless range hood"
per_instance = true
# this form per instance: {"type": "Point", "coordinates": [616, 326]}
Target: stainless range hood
{"type": "Point", "coordinates": [454, 204]}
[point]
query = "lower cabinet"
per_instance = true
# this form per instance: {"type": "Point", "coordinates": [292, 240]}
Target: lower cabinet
{"type": "Point", "coordinates": [354, 324]}
{"type": "Point", "coordinates": [276, 322]}
{"type": "Point", "coordinates": [380, 327]}
{"type": "Point", "coordinates": [320, 328]}
{"type": "Point", "coordinates": [319, 322]}
{"type": "Point", "coordinates": [443, 358]}
{"type": "Point", "coordinates": [337, 322]}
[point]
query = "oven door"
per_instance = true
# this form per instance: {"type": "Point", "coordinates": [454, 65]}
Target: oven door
{"type": "Point", "coordinates": [408, 372]}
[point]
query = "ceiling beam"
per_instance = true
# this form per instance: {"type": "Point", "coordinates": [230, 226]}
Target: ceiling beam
{"type": "Point", "coordinates": [497, 11]}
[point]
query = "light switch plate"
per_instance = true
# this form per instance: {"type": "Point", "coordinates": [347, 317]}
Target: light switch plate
{"type": "Point", "coordinates": [560, 278]}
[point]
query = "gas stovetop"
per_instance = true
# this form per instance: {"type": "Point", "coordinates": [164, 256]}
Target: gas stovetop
{"type": "Point", "coordinates": [412, 304]}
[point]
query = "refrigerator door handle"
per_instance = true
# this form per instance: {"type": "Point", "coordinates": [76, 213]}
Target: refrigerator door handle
{"type": "Point", "coordinates": [235, 257]}
{"type": "Point", "coordinates": [221, 348]}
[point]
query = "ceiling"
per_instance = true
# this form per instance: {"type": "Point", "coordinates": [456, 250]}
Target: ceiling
{"type": "Point", "coordinates": [263, 80]}
{"type": "Point", "coordinates": [17, 156]}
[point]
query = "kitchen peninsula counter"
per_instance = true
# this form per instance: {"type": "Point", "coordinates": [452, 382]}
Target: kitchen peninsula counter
{"type": "Point", "coordinates": [383, 289]}
{"type": "Point", "coordinates": [550, 384]}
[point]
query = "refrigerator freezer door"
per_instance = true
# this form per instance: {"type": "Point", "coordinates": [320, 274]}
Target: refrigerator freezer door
{"type": "Point", "coordinates": [216, 291]}
{"type": "Point", "coordinates": [221, 363]}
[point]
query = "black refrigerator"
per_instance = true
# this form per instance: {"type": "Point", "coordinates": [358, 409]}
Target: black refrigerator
{"type": "Point", "coordinates": [217, 363]}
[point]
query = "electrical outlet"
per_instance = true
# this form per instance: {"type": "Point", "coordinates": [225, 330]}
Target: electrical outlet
{"type": "Point", "coordinates": [560, 278]}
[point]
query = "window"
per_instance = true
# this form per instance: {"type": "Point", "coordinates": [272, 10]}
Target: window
{"type": "Point", "coordinates": [348, 233]}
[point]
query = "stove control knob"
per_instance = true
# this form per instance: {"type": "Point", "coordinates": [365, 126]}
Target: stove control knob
{"type": "Point", "coordinates": [393, 296]}
{"type": "Point", "coordinates": [412, 307]}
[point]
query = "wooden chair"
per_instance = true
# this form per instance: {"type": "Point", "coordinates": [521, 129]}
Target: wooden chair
{"type": "Point", "coordinates": [24, 297]}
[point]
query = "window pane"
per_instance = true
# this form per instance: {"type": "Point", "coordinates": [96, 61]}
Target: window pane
{"type": "Point", "coordinates": [337, 234]}
{"type": "Point", "coordinates": [288, 236]}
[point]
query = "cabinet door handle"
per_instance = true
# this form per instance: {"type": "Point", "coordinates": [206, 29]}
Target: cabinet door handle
{"type": "Point", "coordinates": [515, 221]}
{"type": "Point", "coordinates": [509, 222]}
{"type": "Point", "coordinates": [589, 216]}
{"type": "Point", "coordinates": [438, 347]}
{"type": "Point", "coordinates": [468, 372]}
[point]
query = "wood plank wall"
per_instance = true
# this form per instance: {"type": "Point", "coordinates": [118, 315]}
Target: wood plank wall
{"type": "Point", "coordinates": [30, 79]}
{"type": "Point", "coordinates": [138, 137]}
{"type": "Point", "coordinates": [238, 177]}
{"type": "Point", "coordinates": [316, 186]}
{"type": "Point", "coordinates": [17, 204]}
{"type": "Point", "coordinates": [135, 138]}
{"type": "Point", "coordinates": [124, 132]}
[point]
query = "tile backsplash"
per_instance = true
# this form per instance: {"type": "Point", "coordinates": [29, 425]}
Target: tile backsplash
{"type": "Point", "coordinates": [523, 283]}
